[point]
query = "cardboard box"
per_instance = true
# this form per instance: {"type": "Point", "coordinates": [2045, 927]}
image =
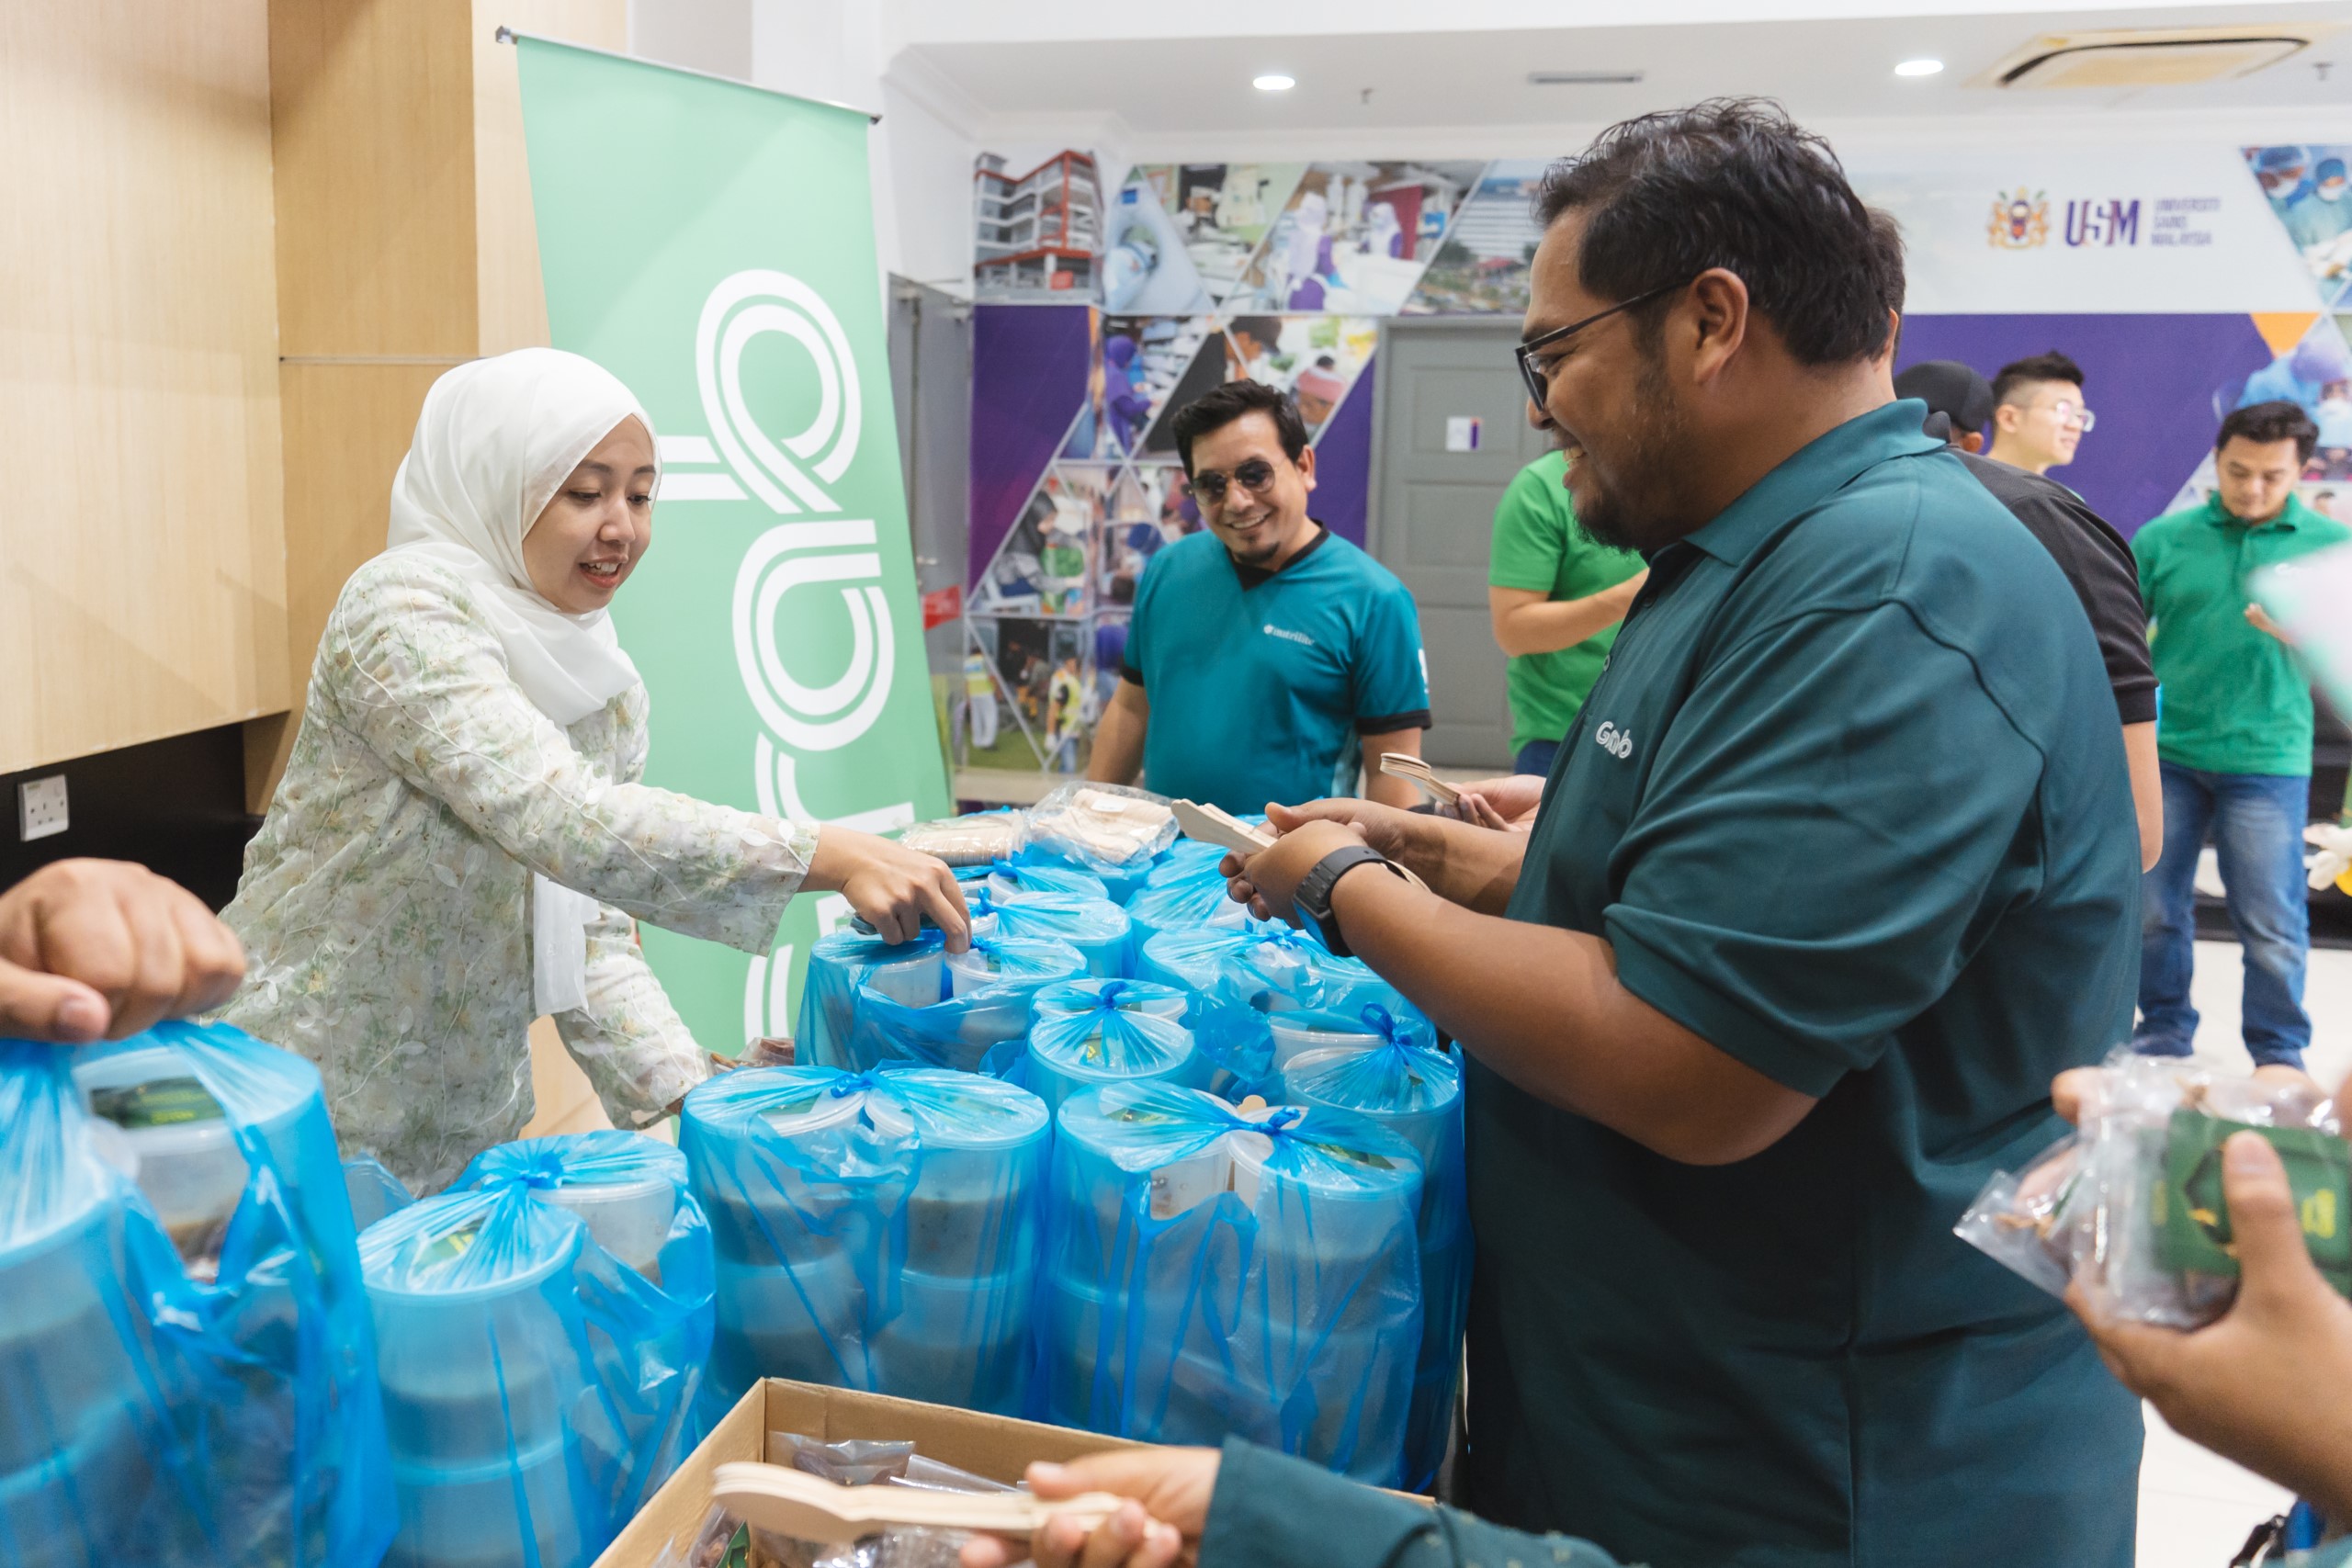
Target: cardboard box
{"type": "Point", "coordinates": [993, 1446]}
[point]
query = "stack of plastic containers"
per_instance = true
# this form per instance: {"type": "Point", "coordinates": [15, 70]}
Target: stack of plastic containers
{"type": "Point", "coordinates": [913, 972]}
{"type": "Point", "coordinates": [1097, 928]}
{"type": "Point", "coordinates": [979, 1025]}
{"type": "Point", "coordinates": [1112, 830]}
{"type": "Point", "coordinates": [145, 1416]}
{"type": "Point", "coordinates": [489, 1402]}
{"type": "Point", "coordinates": [1414, 1090]}
{"type": "Point", "coordinates": [1194, 902]}
{"type": "Point", "coordinates": [874, 1231]}
{"type": "Point", "coordinates": [1208, 1273]}
{"type": "Point", "coordinates": [1092, 1033]}
{"type": "Point", "coordinates": [645, 1281]}
{"type": "Point", "coordinates": [1243, 978]}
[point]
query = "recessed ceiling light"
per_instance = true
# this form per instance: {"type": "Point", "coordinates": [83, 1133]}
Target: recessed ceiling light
{"type": "Point", "coordinates": [1272, 82]}
{"type": "Point", "coordinates": [1919, 68]}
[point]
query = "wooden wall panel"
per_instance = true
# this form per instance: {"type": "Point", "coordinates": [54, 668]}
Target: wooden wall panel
{"type": "Point", "coordinates": [371, 106]}
{"type": "Point", "coordinates": [145, 590]}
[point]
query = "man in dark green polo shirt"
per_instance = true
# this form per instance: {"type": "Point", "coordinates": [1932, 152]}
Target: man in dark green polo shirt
{"type": "Point", "coordinates": [1555, 595]}
{"type": "Point", "coordinates": [2233, 738]}
{"type": "Point", "coordinates": [1837, 869]}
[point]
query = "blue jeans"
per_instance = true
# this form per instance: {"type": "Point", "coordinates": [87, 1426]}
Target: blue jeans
{"type": "Point", "coordinates": [1535, 757]}
{"type": "Point", "coordinates": [2257, 824]}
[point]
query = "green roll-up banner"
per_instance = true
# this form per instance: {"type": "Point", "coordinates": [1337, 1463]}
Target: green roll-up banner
{"type": "Point", "coordinates": [712, 244]}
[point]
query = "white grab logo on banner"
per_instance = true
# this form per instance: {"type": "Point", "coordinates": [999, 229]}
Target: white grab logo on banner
{"type": "Point", "coordinates": [739, 460]}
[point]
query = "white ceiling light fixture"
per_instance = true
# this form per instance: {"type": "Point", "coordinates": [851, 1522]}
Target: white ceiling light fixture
{"type": "Point", "coordinates": [1583, 78]}
{"type": "Point", "coordinates": [1922, 67]}
{"type": "Point", "coordinates": [2149, 57]}
{"type": "Point", "coordinates": [1273, 82]}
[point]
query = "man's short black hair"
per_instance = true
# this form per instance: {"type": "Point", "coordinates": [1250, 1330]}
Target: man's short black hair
{"type": "Point", "coordinates": [1264, 329]}
{"type": "Point", "coordinates": [2264, 423]}
{"type": "Point", "coordinates": [1220, 406]}
{"type": "Point", "coordinates": [2032, 370]}
{"type": "Point", "coordinates": [1734, 183]}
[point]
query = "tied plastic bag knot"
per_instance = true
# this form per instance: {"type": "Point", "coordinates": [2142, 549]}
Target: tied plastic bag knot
{"type": "Point", "coordinates": [1279, 1123]}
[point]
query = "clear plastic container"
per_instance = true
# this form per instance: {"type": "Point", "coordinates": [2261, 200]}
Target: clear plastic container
{"type": "Point", "coordinates": [188, 1160]}
{"type": "Point", "coordinates": [1433, 1128]}
{"type": "Point", "coordinates": [972, 1194]}
{"type": "Point", "coordinates": [962, 1342]}
{"type": "Point", "coordinates": [1294, 1038]}
{"type": "Point", "coordinates": [1318, 1216]}
{"type": "Point", "coordinates": [918, 980]}
{"type": "Point", "coordinates": [85, 1498]}
{"type": "Point", "coordinates": [64, 1371]}
{"type": "Point", "coordinates": [794, 1320]}
{"type": "Point", "coordinates": [629, 1219]}
{"type": "Point", "coordinates": [504, 1514]}
{"type": "Point", "coordinates": [472, 1375]}
{"type": "Point", "coordinates": [977, 968]}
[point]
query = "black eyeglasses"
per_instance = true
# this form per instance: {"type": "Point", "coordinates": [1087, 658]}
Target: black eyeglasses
{"type": "Point", "coordinates": [1256, 476]}
{"type": "Point", "coordinates": [1538, 380]}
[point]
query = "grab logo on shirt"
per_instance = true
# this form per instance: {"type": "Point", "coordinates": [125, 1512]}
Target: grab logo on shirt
{"type": "Point", "coordinates": [1288, 636]}
{"type": "Point", "coordinates": [1618, 743]}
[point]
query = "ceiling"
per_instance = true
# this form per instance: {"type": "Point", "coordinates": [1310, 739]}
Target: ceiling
{"type": "Point", "coordinates": [1822, 69]}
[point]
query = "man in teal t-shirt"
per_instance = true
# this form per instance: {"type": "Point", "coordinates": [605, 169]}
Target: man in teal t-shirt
{"type": "Point", "coordinates": [2234, 737]}
{"type": "Point", "coordinates": [1555, 597]}
{"type": "Point", "coordinates": [1266, 659]}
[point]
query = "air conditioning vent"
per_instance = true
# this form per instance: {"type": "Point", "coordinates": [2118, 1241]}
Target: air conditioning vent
{"type": "Point", "coordinates": [2151, 57]}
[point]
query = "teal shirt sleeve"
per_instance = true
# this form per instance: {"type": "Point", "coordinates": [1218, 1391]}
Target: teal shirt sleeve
{"type": "Point", "coordinates": [1131, 665]}
{"type": "Point", "coordinates": [1271, 1511]}
{"type": "Point", "coordinates": [1824, 827]}
{"type": "Point", "coordinates": [1390, 678]}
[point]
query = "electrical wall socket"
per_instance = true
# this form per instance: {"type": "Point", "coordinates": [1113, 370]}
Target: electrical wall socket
{"type": "Point", "coordinates": [40, 808]}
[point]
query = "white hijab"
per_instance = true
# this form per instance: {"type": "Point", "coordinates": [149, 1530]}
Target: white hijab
{"type": "Point", "coordinates": [496, 438]}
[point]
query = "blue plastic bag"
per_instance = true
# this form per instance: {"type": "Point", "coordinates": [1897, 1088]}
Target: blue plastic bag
{"type": "Point", "coordinates": [373, 1190]}
{"type": "Point", "coordinates": [651, 1343]}
{"type": "Point", "coordinates": [1414, 1090]}
{"type": "Point", "coordinates": [1208, 1274]}
{"type": "Point", "coordinates": [1182, 862]}
{"type": "Point", "coordinates": [1090, 1032]}
{"type": "Point", "coordinates": [913, 972]}
{"type": "Point", "coordinates": [1010, 880]}
{"type": "Point", "coordinates": [1096, 926]}
{"type": "Point", "coordinates": [979, 1027]}
{"type": "Point", "coordinates": [1194, 902]}
{"type": "Point", "coordinates": [145, 1416]}
{"type": "Point", "coordinates": [1114, 831]}
{"type": "Point", "coordinates": [1240, 976]}
{"type": "Point", "coordinates": [874, 1231]}
{"type": "Point", "coordinates": [509, 1346]}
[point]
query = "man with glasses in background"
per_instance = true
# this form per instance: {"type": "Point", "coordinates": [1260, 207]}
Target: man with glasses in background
{"type": "Point", "coordinates": [2037, 414]}
{"type": "Point", "coordinates": [1266, 658]}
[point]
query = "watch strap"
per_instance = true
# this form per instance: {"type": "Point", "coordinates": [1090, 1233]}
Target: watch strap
{"type": "Point", "coordinates": [1314, 897]}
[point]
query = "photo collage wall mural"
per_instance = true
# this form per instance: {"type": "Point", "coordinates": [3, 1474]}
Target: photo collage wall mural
{"type": "Point", "coordinates": [1103, 309]}
{"type": "Point", "coordinates": [2185, 281]}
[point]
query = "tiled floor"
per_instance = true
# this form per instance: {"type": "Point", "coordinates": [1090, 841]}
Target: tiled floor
{"type": "Point", "coordinates": [2195, 1509]}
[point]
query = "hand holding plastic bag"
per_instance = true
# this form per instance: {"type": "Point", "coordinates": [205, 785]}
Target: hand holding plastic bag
{"type": "Point", "coordinates": [2131, 1209]}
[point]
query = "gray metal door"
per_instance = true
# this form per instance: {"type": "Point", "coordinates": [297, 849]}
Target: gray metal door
{"type": "Point", "coordinates": [930, 389]}
{"type": "Point", "coordinates": [1433, 509]}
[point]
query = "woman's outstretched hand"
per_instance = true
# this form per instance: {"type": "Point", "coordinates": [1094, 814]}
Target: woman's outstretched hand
{"type": "Point", "coordinates": [891, 887]}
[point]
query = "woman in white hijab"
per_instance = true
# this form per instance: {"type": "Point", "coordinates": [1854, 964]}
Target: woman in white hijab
{"type": "Point", "coordinates": [461, 838]}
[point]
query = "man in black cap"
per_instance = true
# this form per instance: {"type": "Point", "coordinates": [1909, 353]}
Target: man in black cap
{"type": "Point", "coordinates": [2092, 553]}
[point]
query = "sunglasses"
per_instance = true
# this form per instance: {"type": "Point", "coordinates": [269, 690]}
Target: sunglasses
{"type": "Point", "coordinates": [1256, 476]}
{"type": "Point", "coordinates": [1537, 376]}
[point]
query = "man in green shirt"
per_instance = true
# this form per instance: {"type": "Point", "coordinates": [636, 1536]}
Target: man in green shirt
{"type": "Point", "coordinates": [1837, 869]}
{"type": "Point", "coordinates": [2234, 737]}
{"type": "Point", "coordinates": [1556, 597]}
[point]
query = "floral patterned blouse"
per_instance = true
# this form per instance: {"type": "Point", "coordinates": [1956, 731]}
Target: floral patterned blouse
{"type": "Point", "coordinates": [386, 903]}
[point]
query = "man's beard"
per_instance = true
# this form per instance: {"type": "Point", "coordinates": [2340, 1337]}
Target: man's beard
{"type": "Point", "coordinates": [1638, 505]}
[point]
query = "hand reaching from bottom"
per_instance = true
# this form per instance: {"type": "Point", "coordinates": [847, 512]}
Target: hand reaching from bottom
{"type": "Point", "coordinates": [1170, 1489]}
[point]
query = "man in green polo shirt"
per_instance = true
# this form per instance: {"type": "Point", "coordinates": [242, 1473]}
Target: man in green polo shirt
{"type": "Point", "coordinates": [1556, 597]}
{"type": "Point", "coordinates": [1838, 869]}
{"type": "Point", "coordinates": [2234, 737]}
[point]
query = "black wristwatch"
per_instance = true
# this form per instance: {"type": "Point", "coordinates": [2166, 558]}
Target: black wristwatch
{"type": "Point", "coordinates": [1313, 898]}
